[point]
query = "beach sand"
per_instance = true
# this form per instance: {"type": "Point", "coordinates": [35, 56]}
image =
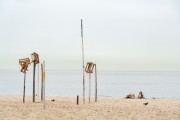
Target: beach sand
{"type": "Point", "coordinates": [65, 108]}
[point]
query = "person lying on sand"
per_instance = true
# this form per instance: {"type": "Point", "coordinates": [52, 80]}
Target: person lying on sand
{"type": "Point", "coordinates": [130, 96]}
{"type": "Point", "coordinates": [141, 96]}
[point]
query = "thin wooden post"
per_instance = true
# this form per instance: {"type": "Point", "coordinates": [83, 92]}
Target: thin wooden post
{"type": "Point", "coordinates": [44, 73]}
{"type": "Point", "coordinates": [83, 61]}
{"type": "Point", "coordinates": [89, 87]}
{"type": "Point", "coordinates": [34, 82]}
{"type": "Point", "coordinates": [77, 99]}
{"type": "Point", "coordinates": [95, 84]}
{"type": "Point", "coordinates": [24, 88]}
{"type": "Point", "coordinates": [41, 82]}
{"type": "Point", "coordinates": [38, 82]}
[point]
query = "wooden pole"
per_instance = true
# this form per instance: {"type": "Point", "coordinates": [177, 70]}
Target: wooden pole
{"type": "Point", "coordinates": [38, 81]}
{"type": "Point", "coordinates": [95, 84]}
{"type": "Point", "coordinates": [89, 87]}
{"type": "Point", "coordinates": [41, 82]}
{"type": "Point", "coordinates": [83, 61]}
{"type": "Point", "coordinates": [34, 82]}
{"type": "Point", "coordinates": [24, 88]}
{"type": "Point", "coordinates": [44, 83]}
{"type": "Point", "coordinates": [78, 100]}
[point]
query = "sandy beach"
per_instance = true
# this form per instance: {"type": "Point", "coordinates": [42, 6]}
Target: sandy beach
{"type": "Point", "coordinates": [12, 108]}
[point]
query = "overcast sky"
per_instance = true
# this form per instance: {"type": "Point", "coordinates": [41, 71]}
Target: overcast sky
{"type": "Point", "coordinates": [122, 35]}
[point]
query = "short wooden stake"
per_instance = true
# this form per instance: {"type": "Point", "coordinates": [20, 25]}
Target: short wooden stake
{"type": "Point", "coordinates": [24, 88]}
{"type": "Point", "coordinates": [78, 100]}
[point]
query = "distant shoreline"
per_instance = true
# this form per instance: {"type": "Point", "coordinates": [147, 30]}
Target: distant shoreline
{"type": "Point", "coordinates": [100, 96]}
{"type": "Point", "coordinates": [99, 70]}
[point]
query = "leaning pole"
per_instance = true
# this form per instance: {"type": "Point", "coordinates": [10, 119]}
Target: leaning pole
{"type": "Point", "coordinates": [83, 61]}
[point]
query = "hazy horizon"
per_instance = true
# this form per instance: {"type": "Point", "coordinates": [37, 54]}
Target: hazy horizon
{"type": "Point", "coordinates": [119, 35]}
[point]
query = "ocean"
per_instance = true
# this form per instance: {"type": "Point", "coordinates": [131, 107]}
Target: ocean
{"type": "Point", "coordinates": [110, 83]}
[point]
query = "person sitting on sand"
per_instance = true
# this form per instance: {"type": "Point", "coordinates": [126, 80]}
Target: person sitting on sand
{"type": "Point", "coordinates": [141, 96]}
{"type": "Point", "coordinates": [130, 96]}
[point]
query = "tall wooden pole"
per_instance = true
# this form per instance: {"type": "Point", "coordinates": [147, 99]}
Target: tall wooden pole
{"type": "Point", "coordinates": [24, 88]}
{"type": "Point", "coordinates": [95, 84]}
{"type": "Point", "coordinates": [38, 82]}
{"type": "Point", "coordinates": [89, 87]}
{"type": "Point", "coordinates": [34, 71]}
{"type": "Point", "coordinates": [83, 61]}
{"type": "Point", "coordinates": [44, 84]}
{"type": "Point", "coordinates": [41, 82]}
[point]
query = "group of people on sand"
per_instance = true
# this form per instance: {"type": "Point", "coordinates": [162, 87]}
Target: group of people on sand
{"type": "Point", "coordinates": [132, 96]}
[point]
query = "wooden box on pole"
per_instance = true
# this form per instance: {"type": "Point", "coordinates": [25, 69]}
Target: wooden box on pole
{"type": "Point", "coordinates": [24, 65]}
{"type": "Point", "coordinates": [35, 60]}
{"type": "Point", "coordinates": [89, 69]}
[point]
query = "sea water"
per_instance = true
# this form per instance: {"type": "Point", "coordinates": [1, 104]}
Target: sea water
{"type": "Point", "coordinates": [110, 83]}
